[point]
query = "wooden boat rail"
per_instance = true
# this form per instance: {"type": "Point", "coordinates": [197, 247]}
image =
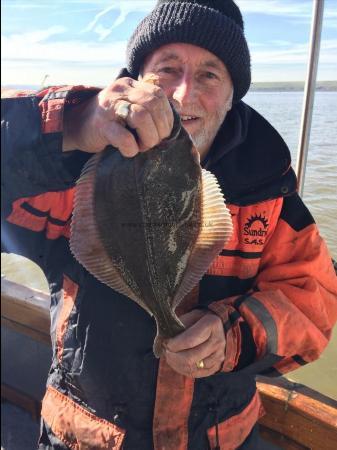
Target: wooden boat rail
{"type": "Point", "coordinates": [296, 417]}
{"type": "Point", "coordinates": [25, 310]}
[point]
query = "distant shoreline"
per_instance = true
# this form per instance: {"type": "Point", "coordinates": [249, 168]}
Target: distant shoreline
{"type": "Point", "coordinates": [277, 86]}
{"type": "Point", "coordinates": [291, 86]}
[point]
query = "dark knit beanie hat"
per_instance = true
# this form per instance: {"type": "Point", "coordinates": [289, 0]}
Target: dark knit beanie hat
{"type": "Point", "coordinates": [215, 25]}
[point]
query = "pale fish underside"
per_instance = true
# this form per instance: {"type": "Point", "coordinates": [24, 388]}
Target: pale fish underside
{"type": "Point", "coordinates": [150, 226]}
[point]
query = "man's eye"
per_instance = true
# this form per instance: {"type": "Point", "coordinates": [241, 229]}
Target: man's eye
{"type": "Point", "coordinates": [211, 76]}
{"type": "Point", "coordinates": [169, 70]}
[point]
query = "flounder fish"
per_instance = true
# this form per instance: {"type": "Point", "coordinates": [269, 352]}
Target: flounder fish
{"type": "Point", "coordinates": [150, 226]}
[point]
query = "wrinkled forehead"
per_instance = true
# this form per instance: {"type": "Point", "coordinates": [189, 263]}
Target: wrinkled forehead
{"type": "Point", "coordinates": [184, 53]}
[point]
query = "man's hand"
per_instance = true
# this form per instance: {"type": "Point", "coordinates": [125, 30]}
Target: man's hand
{"type": "Point", "coordinates": [204, 339]}
{"type": "Point", "coordinates": [92, 126]}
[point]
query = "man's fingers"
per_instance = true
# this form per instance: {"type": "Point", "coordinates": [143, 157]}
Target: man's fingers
{"type": "Point", "coordinates": [195, 335]}
{"type": "Point", "coordinates": [154, 100]}
{"type": "Point", "coordinates": [202, 373]}
{"type": "Point", "coordinates": [215, 359]}
{"type": "Point", "coordinates": [121, 138]}
{"type": "Point", "coordinates": [192, 337]}
{"type": "Point", "coordinates": [204, 341]}
{"type": "Point", "coordinates": [162, 115]}
{"type": "Point", "coordinates": [192, 317]}
{"type": "Point", "coordinates": [101, 121]}
{"type": "Point", "coordinates": [142, 122]}
{"type": "Point", "coordinates": [188, 365]}
{"type": "Point", "coordinates": [210, 351]}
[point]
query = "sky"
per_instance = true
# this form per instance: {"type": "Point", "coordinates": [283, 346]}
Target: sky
{"type": "Point", "coordinates": [84, 41]}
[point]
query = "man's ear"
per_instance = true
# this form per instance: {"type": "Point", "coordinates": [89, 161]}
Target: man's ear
{"type": "Point", "coordinates": [229, 103]}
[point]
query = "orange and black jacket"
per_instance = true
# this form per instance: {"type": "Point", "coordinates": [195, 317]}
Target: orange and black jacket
{"type": "Point", "coordinates": [273, 285]}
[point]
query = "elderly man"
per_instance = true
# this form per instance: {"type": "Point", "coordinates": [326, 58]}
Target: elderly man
{"type": "Point", "coordinates": [266, 305]}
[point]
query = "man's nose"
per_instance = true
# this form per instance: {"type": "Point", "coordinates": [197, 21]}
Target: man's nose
{"type": "Point", "coordinates": [185, 90]}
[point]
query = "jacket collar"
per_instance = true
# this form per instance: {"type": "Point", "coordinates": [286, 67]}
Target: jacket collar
{"type": "Point", "coordinates": [250, 159]}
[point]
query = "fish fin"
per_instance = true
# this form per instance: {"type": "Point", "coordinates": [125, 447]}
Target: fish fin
{"type": "Point", "coordinates": [216, 229]}
{"type": "Point", "coordinates": [85, 242]}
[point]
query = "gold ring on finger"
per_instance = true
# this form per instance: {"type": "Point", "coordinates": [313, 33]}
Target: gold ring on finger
{"type": "Point", "coordinates": [200, 364]}
{"type": "Point", "coordinates": [123, 110]}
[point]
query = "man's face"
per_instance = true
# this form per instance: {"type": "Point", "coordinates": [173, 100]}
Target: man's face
{"type": "Point", "coordinates": [198, 85]}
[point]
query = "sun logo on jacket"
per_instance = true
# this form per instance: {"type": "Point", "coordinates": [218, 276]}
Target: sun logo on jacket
{"type": "Point", "coordinates": [256, 229]}
{"type": "Point", "coordinates": [259, 218]}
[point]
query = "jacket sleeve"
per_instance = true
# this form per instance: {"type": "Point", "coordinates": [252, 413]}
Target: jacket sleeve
{"type": "Point", "coordinates": [37, 177]}
{"type": "Point", "coordinates": [286, 320]}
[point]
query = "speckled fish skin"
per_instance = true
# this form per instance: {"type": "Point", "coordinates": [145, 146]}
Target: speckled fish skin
{"type": "Point", "coordinates": [147, 211]}
{"type": "Point", "coordinates": [150, 226]}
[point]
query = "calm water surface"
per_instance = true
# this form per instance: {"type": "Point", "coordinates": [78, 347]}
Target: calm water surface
{"type": "Point", "coordinates": [283, 110]}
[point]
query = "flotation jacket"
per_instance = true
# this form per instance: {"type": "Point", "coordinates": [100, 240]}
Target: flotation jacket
{"type": "Point", "coordinates": [273, 285]}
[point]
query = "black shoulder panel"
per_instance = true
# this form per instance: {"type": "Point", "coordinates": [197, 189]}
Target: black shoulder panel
{"type": "Point", "coordinates": [295, 213]}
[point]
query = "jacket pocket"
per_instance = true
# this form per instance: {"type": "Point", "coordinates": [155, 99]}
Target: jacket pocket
{"type": "Point", "coordinates": [77, 427]}
{"type": "Point", "coordinates": [233, 431]}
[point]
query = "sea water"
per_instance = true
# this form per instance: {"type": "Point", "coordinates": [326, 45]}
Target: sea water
{"type": "Point", "coordinates": [283, 110]}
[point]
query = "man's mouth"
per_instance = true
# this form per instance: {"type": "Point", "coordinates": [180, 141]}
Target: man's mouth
{"type": "Point", "coordinates": [188, 119]}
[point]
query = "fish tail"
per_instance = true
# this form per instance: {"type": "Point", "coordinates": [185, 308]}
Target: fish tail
{"type": "Point", "coordinates": [159, 346]}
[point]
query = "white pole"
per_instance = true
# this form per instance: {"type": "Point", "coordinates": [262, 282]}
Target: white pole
{"type": "Point", "coordinates": [309, 92]}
